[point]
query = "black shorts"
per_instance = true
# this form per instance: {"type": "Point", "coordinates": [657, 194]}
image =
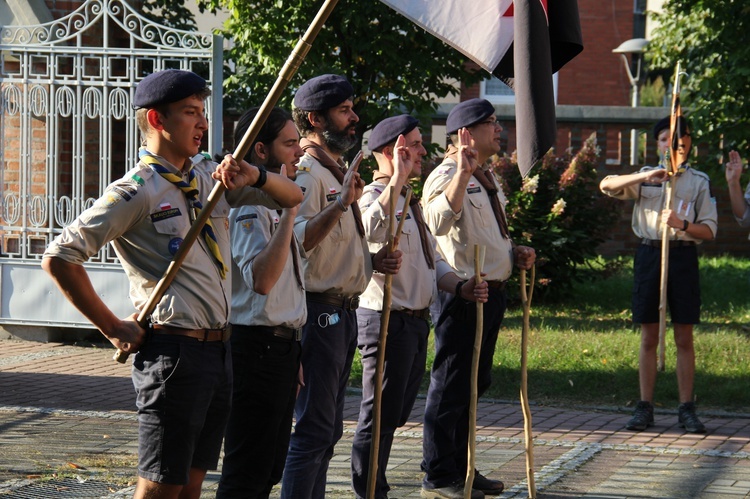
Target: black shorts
{"type": "Point", "coordinates": [683, 285]}
{"type": "Point", "coordinates": [184, 390]}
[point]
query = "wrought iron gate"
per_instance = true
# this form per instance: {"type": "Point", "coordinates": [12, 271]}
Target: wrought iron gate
{"type": "Point", "coordinates": [68, 129]}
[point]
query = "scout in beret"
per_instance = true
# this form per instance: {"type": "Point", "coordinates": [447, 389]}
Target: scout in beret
{"type": "Point", "coordinates": [464, 205]}
{"type": "Point", "coordinates": [690, 220]}
{"type": "Point", "coordinates": [387, 131]}
{"type": "Point", "coordinates": [146, 215]}
{"type": "Point", "coordinates": [468, 113]}
{"type": "Point", "coordinates": [338, 266]}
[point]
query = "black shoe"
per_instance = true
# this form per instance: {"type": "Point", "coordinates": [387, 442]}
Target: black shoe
{"type": "Point", "coordinates": [688, 419]}
{"type": "Point", "coordinates": [487, 485]}
{"type": "Point", "coordinates": [643, 417]}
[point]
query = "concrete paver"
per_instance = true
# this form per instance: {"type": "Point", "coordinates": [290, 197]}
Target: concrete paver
{"type": "Point", "coordinates": [67, 420]}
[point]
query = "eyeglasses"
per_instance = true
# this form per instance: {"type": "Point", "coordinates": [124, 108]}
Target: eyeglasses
{"type": "Point", "coordinates": [491, 122]}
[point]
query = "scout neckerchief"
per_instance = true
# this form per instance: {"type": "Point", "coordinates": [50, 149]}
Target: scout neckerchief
{"type": "Point", "coordinates": [485, 179]}
{"type": "Point", "coordinates": [190, 189]}
{"type": "Point", "coordinates": [337, 171]}
{"type": "Point", "coordinates": [417, 212]}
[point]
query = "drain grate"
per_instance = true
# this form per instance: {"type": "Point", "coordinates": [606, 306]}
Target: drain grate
{"type": "Point", "coordinates": [64, 488]}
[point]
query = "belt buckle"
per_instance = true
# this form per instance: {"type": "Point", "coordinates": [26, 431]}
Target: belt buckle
{"type": "Point", "coordinates": [351, 303]}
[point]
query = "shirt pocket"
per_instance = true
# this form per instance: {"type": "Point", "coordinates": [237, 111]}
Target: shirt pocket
{"type": "Point", "coordinates": [479, 216]}
{"type": "Point", "coordinates": [684, 202]}
{"type": "Point", "coordinates": [220, 220]}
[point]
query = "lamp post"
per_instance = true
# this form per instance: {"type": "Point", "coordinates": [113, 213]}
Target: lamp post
{"type": "Point", "coordinates": [635, 46]}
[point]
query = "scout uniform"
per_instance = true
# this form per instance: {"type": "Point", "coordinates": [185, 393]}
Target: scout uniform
{"type": "Point", "coordinates": [336, 273]}
{"type": "Point", "coordinates": [146, 217]}
{"type": "Point", "coordinates": [414, 289]}
{"type": "Point", "coordinates": [266, 355]}
{"type": "Point", "coordinates": [692, 200]}
{"type": "Point", "coordinates": [481, 221]}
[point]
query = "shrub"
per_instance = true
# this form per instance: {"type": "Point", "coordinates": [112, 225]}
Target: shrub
{"type": "Point", "coordinates": [559, 211]}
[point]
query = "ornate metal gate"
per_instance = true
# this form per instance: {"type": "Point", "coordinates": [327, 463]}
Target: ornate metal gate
{"type": "Point", "coordinates": [68, 129]}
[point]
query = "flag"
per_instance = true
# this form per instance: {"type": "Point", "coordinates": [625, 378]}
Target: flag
{"type": "Point", "coordinates": [522, 42]}
{"type": "Point", "coordinates": [677, 128]}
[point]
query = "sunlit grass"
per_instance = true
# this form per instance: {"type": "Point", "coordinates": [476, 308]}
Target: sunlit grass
{"type": "Point", "coordinates": [584, 350]}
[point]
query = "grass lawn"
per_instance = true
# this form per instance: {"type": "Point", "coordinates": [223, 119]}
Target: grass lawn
{"type": "Point", "coordinates": [584, 350]}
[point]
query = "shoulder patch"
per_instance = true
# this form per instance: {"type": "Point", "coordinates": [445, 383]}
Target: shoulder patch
{"type": "Point", "coordinates": [303, 168]}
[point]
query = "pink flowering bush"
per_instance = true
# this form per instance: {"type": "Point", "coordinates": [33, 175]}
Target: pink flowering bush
{"type": "Point", "coordinates": [559, 211]}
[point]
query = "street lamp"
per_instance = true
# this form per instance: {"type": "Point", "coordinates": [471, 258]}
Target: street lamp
{"type": "Point", "coordinates": [635, 46]}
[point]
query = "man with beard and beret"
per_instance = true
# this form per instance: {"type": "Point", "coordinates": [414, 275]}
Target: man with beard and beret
{"type": "Point", "coordinates": [691, 220]}
{"type": "Point", "coordinates": [464, 206]}
{"type": "Point", "coordinates": [268, 312]}
{"type": "Point", "coordinates": [182, 370]}
{"type": "Point", "coordinates": [337, 267]}
{"type": "Point", "coordinates": [396, 143]}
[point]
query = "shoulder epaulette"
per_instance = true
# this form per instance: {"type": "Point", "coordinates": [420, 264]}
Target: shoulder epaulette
{"type": "Point", "coordinates": [701, 174]}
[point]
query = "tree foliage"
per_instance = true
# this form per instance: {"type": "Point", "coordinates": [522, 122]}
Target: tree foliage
{"type": "Point", "coordinates": [710, 40]}
{"type": "Point", "coordinates": [393, 65]}
{"type": "Point", "coordinates": [172, 13]}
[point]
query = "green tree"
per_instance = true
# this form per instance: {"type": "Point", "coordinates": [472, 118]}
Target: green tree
{"type": "Point", "coordinates": [710, 40]}
{"type": "Point", "coordinates": [393, 65]}
{"type": "Point", "coordinates": [172, 13]}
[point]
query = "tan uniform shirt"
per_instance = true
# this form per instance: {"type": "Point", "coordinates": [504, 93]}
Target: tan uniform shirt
{"type": "Point", "coordinates": [341, 263]}
{"type": "Point", "coordinates": [691, 199]}
{"type": "Point", "coordinates": [146, 218]}
{"type": "Point", "coordinates": [251, 229]}
{"type": "Point", "coordinates": [457, 233]}
{"type": "Point", "coordinates": [415, 285]}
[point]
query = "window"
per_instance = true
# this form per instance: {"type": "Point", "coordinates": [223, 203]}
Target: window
{"type": "Point", "coordinates": [498, 92]}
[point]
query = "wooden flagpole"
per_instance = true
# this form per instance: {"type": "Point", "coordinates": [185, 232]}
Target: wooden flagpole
{"type": "Point", "coordinates": [291, 66]}
{"type": "Point", "coordinates": [673, 163]}
{"type": "Point", "coordinates": [478, 264]}
{"type": "Point", "coordinates": [372, 477]}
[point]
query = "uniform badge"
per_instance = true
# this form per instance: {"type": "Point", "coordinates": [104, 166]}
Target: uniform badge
{"type": "Point", "coordinates": [246, 221]}
{"type": "Point", "coordinates": [109, 199]}
{"type": "Point", "coordinates": [174, 245]}
{"type": "Point", "coordinates": [332, 194]}
{"type": "Point", "coordinates": [473, 188]}
{"type": "Point", "coordinates": [165, 214]}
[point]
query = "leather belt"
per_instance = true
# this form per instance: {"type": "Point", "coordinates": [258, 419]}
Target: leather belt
{"type": "Point", "coordinates": [496, 284]}
{"type": "Point", "coordinates": [673, 243]}
{"type": "Point", "coordinates": [345, 302]}
{"type": "Point", "coordinates": [423, 314]}
{"type": "Point", "coordinates": [221, 334]}
{"type": "Point", "coordinates": [283, 332]}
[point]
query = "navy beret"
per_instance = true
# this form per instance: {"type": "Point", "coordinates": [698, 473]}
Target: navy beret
{"type": "Point", "coordinates": [663, 124]}
{"type": "Point", "coordinates": [468, 113]}
{"type": "Point", "coordinates": [388, 130]}
{"type": "Point", "coordinates": [323, 92]}
{"type": "Point", "coordinates": [165, 87]}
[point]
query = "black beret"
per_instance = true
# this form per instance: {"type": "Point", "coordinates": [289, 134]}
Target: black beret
{"type": "Point", "coordinates": [388, 130]}
{"type": "Point", "coordinates": [663, 124]}
{"type": "Point", "coordinates": [468, 113]}
{"type": "Point", "coordinates": [323, 92]}
{"type": "Point", "coordinates": [165, 87]}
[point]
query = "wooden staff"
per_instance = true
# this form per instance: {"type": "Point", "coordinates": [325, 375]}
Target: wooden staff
{"type": "Point", "coordinates": [291, 66]}
{"type": "Point", "coordinates": [664, 276]}
{"type": "Point", "coordinates": [478, 264]}
{"type": "Point", "coordinates": [526, 294]}
{"type": "Point", "coordinates": [372, 477]}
